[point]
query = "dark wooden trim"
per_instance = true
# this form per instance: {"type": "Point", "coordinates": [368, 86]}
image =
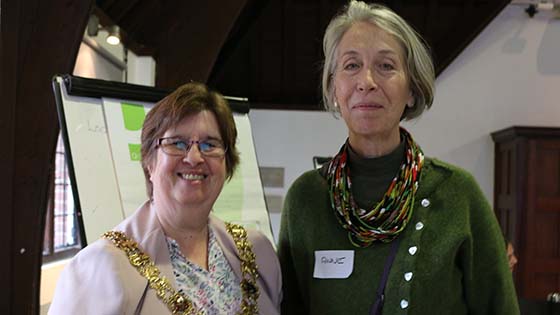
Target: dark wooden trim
{"type": "Point", "coordinates": [524, 203]}
{"type": "Point", "coordinates": [193, 57]}
{"type": "Point", "coordinates": [28, 131]}
{"type": "Point", "coordinates": [244, 22]}
{"type": "Point", "coordinates": [524, 131]}
{"type": "Point", "coordinates": [519, 175]}
{"type": "Point", "coordinates": [465, 40]}
{"type": "Point", "coordinates": [9, 51]}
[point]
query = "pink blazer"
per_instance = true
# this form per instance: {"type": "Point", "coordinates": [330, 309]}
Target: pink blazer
{"type": "Point", "coordinates": [100, 279]}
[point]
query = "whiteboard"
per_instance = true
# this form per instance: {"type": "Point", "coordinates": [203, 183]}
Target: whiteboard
{"type": "Point", "coordinates": [102, 141]}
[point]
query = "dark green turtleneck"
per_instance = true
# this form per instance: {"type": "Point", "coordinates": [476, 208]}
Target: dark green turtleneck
{"type": "Point", "coordinates": [371, 177]}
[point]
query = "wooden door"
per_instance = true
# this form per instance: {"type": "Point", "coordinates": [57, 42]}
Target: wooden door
{"type": "Point", "coordinates": [541, 268]}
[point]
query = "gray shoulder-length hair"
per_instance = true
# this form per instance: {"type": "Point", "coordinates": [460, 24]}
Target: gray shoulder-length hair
{"type": "Point", "coordinates": [418, 62]}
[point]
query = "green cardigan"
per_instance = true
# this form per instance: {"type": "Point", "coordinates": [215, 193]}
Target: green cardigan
{"type": "Point", "coordinates": [451, 259]}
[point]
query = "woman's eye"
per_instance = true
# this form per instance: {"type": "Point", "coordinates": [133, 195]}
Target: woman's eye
{"type": "Point", "coordinates": [179, 144]}
{"type": "Point", "coordinates": [351, 66]}
{"type": "Point", "coordinates": [204, 146]}
{"type": "Point", "coordinates": [209, 145]}
{"type": "Point", "coordinates": [386, 66]}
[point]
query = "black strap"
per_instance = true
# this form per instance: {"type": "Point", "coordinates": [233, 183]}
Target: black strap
{"type": "Point", "coordinates": [378, 305]}
{"type": "Point", "coordinates": [141, 301]}
{"type": "Point", "coordinates": [324, 169]}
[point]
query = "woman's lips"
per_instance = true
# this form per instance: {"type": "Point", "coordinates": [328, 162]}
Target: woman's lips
{"type": "Point", "coordinates": [192, 176]}
{"type": "Point", "coordinates": [366, 106]}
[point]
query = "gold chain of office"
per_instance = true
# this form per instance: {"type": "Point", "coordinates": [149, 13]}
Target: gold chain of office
{"type": "Point", "coordinates": [177, 302]}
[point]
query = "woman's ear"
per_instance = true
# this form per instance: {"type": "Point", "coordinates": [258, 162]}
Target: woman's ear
{"type": "Point", "coordinates": [410, 101]}
{"type": "Point", "coordinates": [150, 167]}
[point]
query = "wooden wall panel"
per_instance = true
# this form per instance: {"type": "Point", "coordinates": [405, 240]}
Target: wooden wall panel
{"type": "Point", "coordinates": [38, 40]}
{"type": "Point", "coordinates": [533, 203]}
{"type": "Point", "coordinates": [8, 57]}
{"type": "Point", "coordinates": [543, 218]}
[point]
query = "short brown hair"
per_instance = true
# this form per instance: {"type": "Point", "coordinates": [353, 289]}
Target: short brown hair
{"type": "Point", "coordinates": [188, 99]}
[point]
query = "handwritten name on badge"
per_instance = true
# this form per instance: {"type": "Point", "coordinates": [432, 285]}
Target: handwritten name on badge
{"type": "Point", "coordinates": [333, 264]}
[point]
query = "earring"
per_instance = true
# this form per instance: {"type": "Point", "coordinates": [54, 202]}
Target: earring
{"type": "Point", "coordinates": [335, 104]}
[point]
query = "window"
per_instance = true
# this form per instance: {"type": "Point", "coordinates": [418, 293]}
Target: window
{"type": "Point", "coordinates": [61, 226]}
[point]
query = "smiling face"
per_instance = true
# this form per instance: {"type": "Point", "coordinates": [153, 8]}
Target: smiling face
{"type": "Point", "coordinates": [370, 85]}
{"type": "Point", "coordinates": [191, 182]}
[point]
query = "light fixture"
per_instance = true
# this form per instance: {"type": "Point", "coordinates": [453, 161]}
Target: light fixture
{"type": "Point", "coordinates": [113, 31]}
{"type": "Point", "coordinates": [114, 36]}
{"type": "Point", "coordinates": [535, 6]}
{"type": "Point", "coordinates": [93, 25]}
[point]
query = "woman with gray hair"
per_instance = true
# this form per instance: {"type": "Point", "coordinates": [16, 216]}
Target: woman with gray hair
{"type": "Point", "coordinates": [381, 228]}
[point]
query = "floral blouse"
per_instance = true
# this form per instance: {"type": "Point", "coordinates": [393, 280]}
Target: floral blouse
{"type": "Point", "coordinates": [213, 291]}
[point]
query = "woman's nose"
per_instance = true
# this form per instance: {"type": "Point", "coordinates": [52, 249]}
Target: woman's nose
{"type": "Point", "coordinates": [193, 156]}
{"type": "Point", "coordinates": [366, 81]}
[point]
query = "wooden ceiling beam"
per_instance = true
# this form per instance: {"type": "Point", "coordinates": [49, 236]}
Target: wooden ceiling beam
{"type": "Point", "coordinates": [188, 50]}
{"type": "Point", "coordinates": [241, 26]}
{"type": "Point", "coordinates": [465, 29]}
{"type": "Point", "coordinates": [119, 9]}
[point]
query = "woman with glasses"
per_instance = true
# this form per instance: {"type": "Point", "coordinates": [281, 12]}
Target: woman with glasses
{"type": "Point", "coordinates": [381, 228]}
{"type": "Point", "coordinates": [172, 255]}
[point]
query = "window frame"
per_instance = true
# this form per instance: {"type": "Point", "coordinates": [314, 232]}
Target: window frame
{"type": "Point", "coordinates": [50, 251]}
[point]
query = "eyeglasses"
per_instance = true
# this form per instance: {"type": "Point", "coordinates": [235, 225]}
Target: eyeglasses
{"type": "Point", "coordinates": [180, 147]}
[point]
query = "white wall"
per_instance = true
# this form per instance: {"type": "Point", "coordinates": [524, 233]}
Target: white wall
{"type": "Point", "coordinates": [91, 64]}
{"type": "Point", "coordinates": [141, 69]}
{"type": "Point", "coordinates": [290, 139]}
{"type": "Point", "coordinates": [509, 75]}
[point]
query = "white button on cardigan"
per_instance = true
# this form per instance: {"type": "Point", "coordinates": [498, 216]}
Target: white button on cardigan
{"type": "Point", "coordinates": [404, 303]}
{"type": "Point", "coordinates": [408, 276]}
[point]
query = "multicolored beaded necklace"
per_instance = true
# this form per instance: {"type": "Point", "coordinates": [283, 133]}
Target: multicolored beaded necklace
{"type": "Point", "coordinates": [385, 220]}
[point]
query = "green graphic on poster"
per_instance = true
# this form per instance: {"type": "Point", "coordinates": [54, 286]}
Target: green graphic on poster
{"type": "Point", "coordinates": [134, 150]}
{"type": "Point", "coordinates": [133, 116]}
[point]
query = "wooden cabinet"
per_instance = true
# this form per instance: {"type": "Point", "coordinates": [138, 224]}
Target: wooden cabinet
{"type": "Point", "coordinates": [527, 204]}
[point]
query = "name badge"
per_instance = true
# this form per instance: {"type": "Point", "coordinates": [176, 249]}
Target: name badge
{"type": "Point", "coordinates": [333, 264]}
